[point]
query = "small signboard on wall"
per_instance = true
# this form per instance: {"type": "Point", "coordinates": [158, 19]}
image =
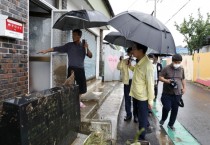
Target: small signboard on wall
{"type": "Point", "coordinates": [11, 28]}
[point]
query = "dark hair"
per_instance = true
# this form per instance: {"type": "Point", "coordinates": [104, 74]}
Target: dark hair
{"type": "Point", "coordinates": [78, 31]}
{"type": "Point", "coordinates": [141, 47]}
{"type": "Point", "coordinates": [176, 57]}
{"type": "Point", "coordinates": [156, 55]}
{"type": "Point", "coordinates": [150, 55]}
{"type": "Point", "coordinates": [129, 50]}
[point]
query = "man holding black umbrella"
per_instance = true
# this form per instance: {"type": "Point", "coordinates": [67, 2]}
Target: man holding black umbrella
{"type": "Point", "coordinates": [142, 87]}
{"type": "Point", "coordinates": [76, 51]}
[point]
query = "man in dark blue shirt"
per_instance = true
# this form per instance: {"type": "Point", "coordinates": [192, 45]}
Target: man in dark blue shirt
{"type": "Point", "coordinates": [76, 51]}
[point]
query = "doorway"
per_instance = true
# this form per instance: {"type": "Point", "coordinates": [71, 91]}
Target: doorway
{"type": "Point", "coordinates": [39, 38]}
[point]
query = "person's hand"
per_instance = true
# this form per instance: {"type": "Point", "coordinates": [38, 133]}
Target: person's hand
{"type": "Point", "coordinates": [183, 90]}
{"type": "Point", "coordinates": [128, 62]}
{"type": "Point", "coordinates": [85, 45]}
{"type": "Point", "coordinates": [150, 107]}
{"type": "Point", "coordinates": [43, 51]}
{"type": "Point", "coordinates": [168, 81]}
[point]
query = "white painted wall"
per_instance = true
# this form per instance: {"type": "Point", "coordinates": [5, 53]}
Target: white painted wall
{"type": "Point", "coordinates": [111, 59]}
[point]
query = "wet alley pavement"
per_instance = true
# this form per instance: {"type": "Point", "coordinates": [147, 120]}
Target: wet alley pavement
{"type": "Point", "coordinates": [105, 102]}
{"type": "Point", "coordinates": [127, 130]}
{"type": "Point", "coordinates": [192, 125]}
{"type": "Point", "coordinates": [195, 116]}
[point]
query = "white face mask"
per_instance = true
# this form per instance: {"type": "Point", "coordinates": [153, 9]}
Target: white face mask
{"type": "Point", "coordinates": [176, 65]}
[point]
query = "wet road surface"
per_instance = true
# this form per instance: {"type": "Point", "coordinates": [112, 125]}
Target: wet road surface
{"type": "Point", "coordinates": [195, 116]}
{"type": "Point", "coordinates": [127, 130]}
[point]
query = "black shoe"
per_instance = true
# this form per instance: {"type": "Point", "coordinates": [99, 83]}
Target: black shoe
{"type": "Point", "coordinates": [161, 122]}
{"type": "Point", "coordinates": [135, 119]}
{"type": "Point", "coordinates": [127, 118]}
{"type": "Point", "coordinates": [150, 111]}
{"type": "Point", "coordinates": [171, 127]}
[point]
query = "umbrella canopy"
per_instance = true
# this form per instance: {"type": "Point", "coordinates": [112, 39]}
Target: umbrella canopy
{"type": "Point", "coordinates": [144, 29]}
{"type": "Point", "coordinates": [81, 19]}
{"type": "Point", "coordinates": [118, 39]}
{"type": "Point", "coordinates": [153, 52]}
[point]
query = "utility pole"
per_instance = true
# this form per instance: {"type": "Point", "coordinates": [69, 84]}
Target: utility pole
{"type": "Point", "coordinates": [155, 8]}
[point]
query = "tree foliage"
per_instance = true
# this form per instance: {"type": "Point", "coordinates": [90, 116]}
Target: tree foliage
{"type": "Point", "coordinates": [195, 31]}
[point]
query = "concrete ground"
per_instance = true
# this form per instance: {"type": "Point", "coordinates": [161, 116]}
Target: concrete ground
{"type": "Point", "coordinates": [195, 116]}
{"type": "Point", "coordinates": [127, 130]}
{"type": "Point", "coordinates": [105, 111]}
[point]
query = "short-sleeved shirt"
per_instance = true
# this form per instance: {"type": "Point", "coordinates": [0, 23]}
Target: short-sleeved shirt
{"type": "Point", "coordinates": [76, 54]}
{"type": "Point", "coordinates": [169, 72]}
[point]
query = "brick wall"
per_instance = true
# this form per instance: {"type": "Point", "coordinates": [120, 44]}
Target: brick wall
{"type": "Point", "coordinates": [13, 53]}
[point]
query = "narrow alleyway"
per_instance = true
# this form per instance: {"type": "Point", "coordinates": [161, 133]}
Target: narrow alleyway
{"type": "Point", "coordinates": [194, 117]}
{"type": "Point", "coordinates": [127, 130]}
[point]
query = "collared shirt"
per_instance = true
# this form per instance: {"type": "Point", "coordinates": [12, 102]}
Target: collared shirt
{"type": "Point", "coordinates": [123, 67]}
{"type": "Point", "coordinates": [133, 63]}
{"type": "Point", "coordinates": [155, 72]}
{"type": "Point", "coordinates": [169, 72]}
{"type": "Point", "coordinates": [142, 87]}
{"type": "Point", "coordinates": [76, 53]}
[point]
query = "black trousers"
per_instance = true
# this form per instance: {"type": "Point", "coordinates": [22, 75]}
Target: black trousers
{"type": "Point", "coordinates": [80, 78]}
{"type": "Point", "coordinates": [128, 101]}
{"type": "Point", "coordinates": [156, 90]}
{"type": "Point", "coordinates": [142, 117]}
{"type": "Point", "coordinates": [170, 103]}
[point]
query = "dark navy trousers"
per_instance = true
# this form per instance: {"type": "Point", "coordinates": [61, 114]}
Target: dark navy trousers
{"type": "Point", "coordinates": [142, 117]}
{"type": "Point", "coordinates": [128, 101]}
{"type": "Point", "coordinates": [170, 103]}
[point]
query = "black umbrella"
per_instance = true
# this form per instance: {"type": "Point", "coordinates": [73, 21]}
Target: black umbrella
{"type": "Point", "coordinates": [118, 39]}
{"type": "Point", "coordinates": [155, 53]}
{"type": "Point", "coordinates": [144, 29]}
{"type": "Point", "coordinates": [81, 19]}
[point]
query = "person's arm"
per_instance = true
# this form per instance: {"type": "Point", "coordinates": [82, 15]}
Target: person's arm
{"type": "Point", "coordinates": [150, 85]}
{"type": "Point", "coordinates": [183, 82]}
{"type": "Point", "coordinates": [62, 49]}
{"type": "Point", "coordinates": [88, 52]}
{"type": "Point", "coordinates": [46, 50]}
{"type": "Point", "coordinates": [184, 86]}
{"type": "Point", "coordinates": [120, 65]}
{"type": "Point", "coordinates": [162, 77]}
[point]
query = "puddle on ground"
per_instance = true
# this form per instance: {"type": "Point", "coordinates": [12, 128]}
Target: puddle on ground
{"type": "Point", "coordinates": [97, 93]}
